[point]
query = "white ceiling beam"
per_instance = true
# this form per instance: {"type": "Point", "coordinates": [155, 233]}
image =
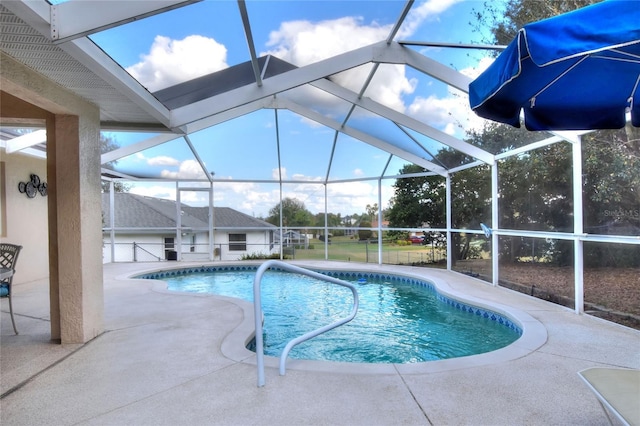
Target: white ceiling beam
{"type": "Point", "coordinates": [125, 151]}
{"type": "Point", "coordinates": [468, 46]}
{"type": "Point", "coordinates": [227, 115]}
{"type": "Point", "coordinates": [249, 36]}
{"type": "Point", "coordinates": [404, 120]}
{"type": "Point", "coordinates": [379, 52]}
{"type": "Point", "coordinates": [194, 151]}
{"type": "Point", "coordinates": [465, 167]}
{"type": "Point", "coordinates": [361, 136]}
{"type": "Point", "coordinates": [276, 84]}
{"type": "Point", "coordinates": [572, 136]}
{"type": "Point", "coordinates": [78, 18]}
{"type": "Point", "coordinates": [118, 175]}
{"type": "Point", "coordinates": [400, 20]}
{"type": "Point", "coordinates": [26, 141]}
{"type": "Point", "coordinates": [398, 54]}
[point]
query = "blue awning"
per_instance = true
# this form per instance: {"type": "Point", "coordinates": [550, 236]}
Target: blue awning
{"type": "Point", "coordinates": [576, 71]}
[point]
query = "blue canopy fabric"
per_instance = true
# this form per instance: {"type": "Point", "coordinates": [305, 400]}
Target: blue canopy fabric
{"type": "Point", "coordinates": [576, 71]}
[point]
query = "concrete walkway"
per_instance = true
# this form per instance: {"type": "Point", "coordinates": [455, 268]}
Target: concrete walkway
{"type": "Point", "coordinates": [174, 359]}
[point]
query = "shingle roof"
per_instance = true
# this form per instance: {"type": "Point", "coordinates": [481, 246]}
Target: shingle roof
{"type": "Point", "coordinates": [227, 217]}
{"type": "Point", "coordinates": [137, 211]}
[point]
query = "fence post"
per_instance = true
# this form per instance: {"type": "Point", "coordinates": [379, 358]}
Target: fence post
{"type": "Point", "coordinates": [134, 252]}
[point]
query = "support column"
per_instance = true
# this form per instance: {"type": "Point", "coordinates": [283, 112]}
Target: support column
{"type": "Point", "coordinates": [178, 242]}
{"type": "Point", "coordinates": [212, 240]}
{"type": "Point", "coordinates": [52, 206]}
{"type": "Point", "coordinates": [495, 250]}
{"type": "Point", "coordinates": [112, 219]}
{"type": "Point", "coordinates": [379, 221]}
{"type": "Point", "coordinates": [326, 223]}
{"type": "Point", "coordinates": [449, 222]}
{"type": "Point", "coordinates": [75, 223]}
{"type": "Point", "coordinates": [73, 200]}
{"type": "Point", "coordinates": [578, 244]}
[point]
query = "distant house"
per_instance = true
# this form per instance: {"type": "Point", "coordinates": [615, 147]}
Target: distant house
{"type": "Point", "coordinates": [145, 229]}
{"type": "Point", "coordinates": [293, 238]}
{"type": "Point", "coordinates": [385, 224]}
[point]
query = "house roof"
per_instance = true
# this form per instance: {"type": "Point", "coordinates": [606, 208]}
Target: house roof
{"type": "Point", "coordinates": [226, 217]}
{"type": "Point", "coordinates": [137, 211]}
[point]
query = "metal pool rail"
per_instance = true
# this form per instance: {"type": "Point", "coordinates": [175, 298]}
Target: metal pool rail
{"type": "Point", "coordinates": [257, 306]}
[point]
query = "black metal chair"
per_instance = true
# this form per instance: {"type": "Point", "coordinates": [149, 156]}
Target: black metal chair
{"type": "Point", "coordinates": [8, 258]}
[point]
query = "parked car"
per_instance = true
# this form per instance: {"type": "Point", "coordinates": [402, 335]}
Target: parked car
{"type": "Point", "coordinates": [416, 239]}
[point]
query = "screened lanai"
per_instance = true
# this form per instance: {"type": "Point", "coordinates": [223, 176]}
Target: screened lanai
{"type": "Point", "coordinates": [246, 104]}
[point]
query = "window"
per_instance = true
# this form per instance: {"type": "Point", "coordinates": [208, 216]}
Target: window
{"type": "Point", "coordinates": [169, 243]}
{"type": "Point", "coordinates": [169, 249]}
{"type": "Point", "coordinates": [237, 242]}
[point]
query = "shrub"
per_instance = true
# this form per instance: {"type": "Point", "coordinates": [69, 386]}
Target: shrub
{"type": "Point", "coordinates": [364, 234]}
{"type": "Point", "coordinates": [260, 256]}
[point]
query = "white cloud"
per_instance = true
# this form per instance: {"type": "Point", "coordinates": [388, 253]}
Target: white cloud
{"type": "Point", "coordinates": [158, 191]}
{"type": "Point", "coordinates": [300, 176]}
{"type": "Point", "coordinates": [189, 169]}
{"type": "Point", "coordinates": [277, 173]}
{"type": "Point", "coordinates": [170, 62]}
{"type": "Point", "coordinates": [351, 197]}
{"type": "Point", "coordinates": [305, 42]}
{"type": "Point", "coordinates": [452, 112]}
{"type": "Point", "coordinates": [162, 161]}
{"type": "Point", "coordinates": [257, 199]}
{"type": "Point", "coordinates": [483, 64]}
{"type": "Point", "coordinates": [250, 198]}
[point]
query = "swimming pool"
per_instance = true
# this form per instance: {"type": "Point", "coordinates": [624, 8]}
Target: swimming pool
{"type": "Point", "coordinates": [401, 320]}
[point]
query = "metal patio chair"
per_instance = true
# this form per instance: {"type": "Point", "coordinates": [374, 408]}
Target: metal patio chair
{"type": "Point", "coordinates": [8, 258]}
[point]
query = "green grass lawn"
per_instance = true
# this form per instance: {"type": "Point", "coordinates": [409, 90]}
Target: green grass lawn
{"type": "Point", "coordinates": [347, 249]}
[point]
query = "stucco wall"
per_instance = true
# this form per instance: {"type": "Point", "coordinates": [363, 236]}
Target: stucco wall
{"type": "Point", "coordinates": [25, 218]}
{"type": "Point", "coordinates": [257, 242]}
{"type": "Point", "coordinates": [73, 207]}
{"type": "Point", "coordinates": [151, 247]}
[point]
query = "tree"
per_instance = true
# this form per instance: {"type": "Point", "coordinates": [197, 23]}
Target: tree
{"type": "Point", "coordinates": [372, 211]}
{"type": "Point", "coordinates": [504, 19]}
{"type": "Point", "coordinates": [364, 234]}
{"type": "Point", "coordinates": [294, 214]}
{"type": "Point", "coordinates": [612, 194]}
{"type": "Point", "coordinates": [535, 188]}
{"type": "Point", "coordinates": [418, 200]}
{"type": "Point", "coordinates": [333, 220]}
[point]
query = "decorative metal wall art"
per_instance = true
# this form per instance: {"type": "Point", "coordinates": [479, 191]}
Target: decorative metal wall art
{"type": "Point", "coordinates": [32, 187]}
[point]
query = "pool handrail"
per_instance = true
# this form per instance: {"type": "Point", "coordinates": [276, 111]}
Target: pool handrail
{"type": "Point", "coordinates": [257, 308]}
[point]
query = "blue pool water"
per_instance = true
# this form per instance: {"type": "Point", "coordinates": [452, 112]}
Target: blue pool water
{"type": "Point", "coordinates": [400, 320]}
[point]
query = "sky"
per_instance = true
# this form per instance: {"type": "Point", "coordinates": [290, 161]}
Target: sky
{"type": "Point", "coordinates": [199, 39]}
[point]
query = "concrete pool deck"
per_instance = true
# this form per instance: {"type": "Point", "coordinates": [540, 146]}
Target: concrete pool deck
{"type": "Point", "coordinates": [170, 358]}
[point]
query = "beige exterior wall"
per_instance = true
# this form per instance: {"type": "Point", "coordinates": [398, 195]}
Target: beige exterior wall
{"type": "Point", "coordinates": [74, 205]}
{"type": "Point", "coordinates": [25, 220]}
